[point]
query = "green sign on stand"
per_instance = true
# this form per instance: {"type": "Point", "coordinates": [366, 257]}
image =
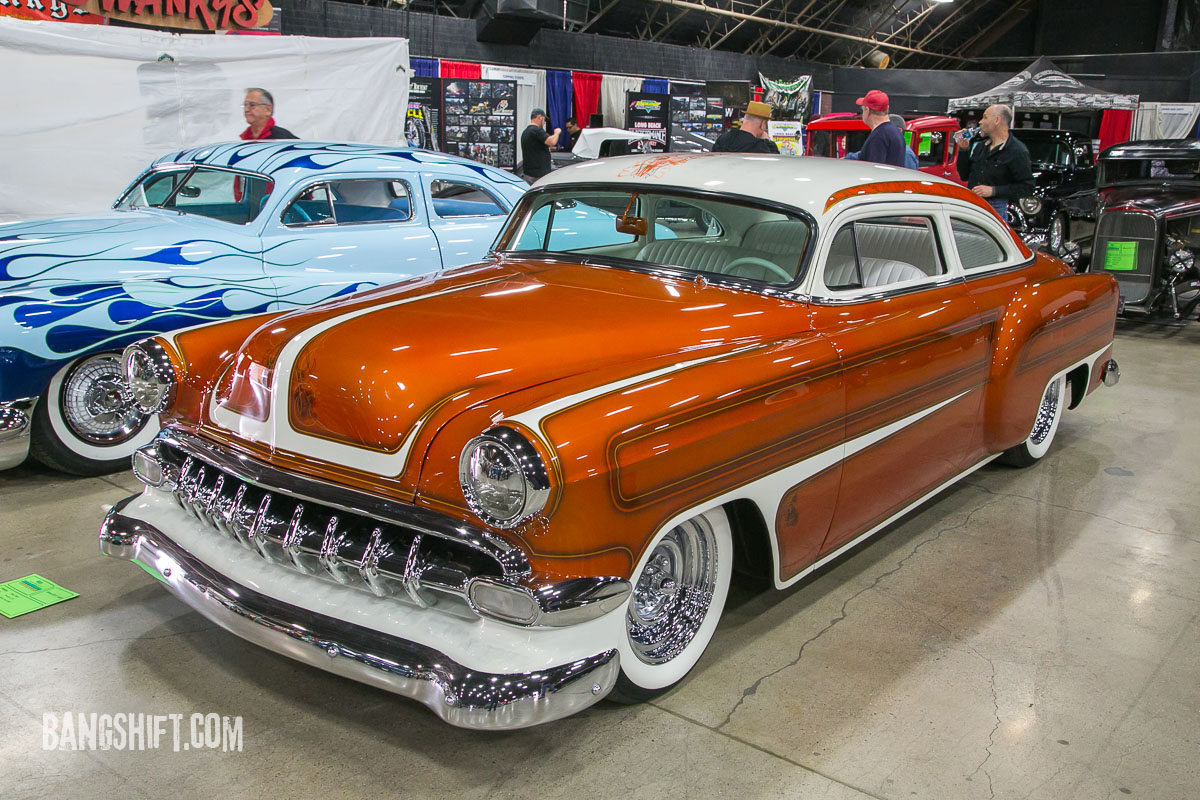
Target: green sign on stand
{"type": "Point", "coordinates": [1121, 256]}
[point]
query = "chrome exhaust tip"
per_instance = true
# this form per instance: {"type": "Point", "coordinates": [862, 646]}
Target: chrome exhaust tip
{"type": "Point", "coordinates": [1112, 373]}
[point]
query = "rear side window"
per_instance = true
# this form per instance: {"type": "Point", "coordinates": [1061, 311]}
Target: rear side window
{"type": "Point", "coordinates": [882, 252]}
{"type": "Point", "coordinates": [458, 199]}
{"type": "Point", "coordinates": [976, 247]}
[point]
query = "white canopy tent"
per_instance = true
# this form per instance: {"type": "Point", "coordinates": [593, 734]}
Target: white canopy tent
{"type": "Point", "coordinates": [106, 101]}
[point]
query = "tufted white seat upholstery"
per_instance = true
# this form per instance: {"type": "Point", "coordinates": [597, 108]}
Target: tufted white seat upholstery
{"type": "Point", "coordinates": [839, 273]}
{"type": "Point", "coordinates": [779, 238]}
{"type": "Point", "coordinates": [688, 254]}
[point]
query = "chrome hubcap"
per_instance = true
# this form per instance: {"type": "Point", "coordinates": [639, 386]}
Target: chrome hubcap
{"type": "Point", "coordinates": [97, 405]}
{"type": "Point", "coordinates": [673, 593]}
{"type": "Point", "coordinates": [1046, 413]}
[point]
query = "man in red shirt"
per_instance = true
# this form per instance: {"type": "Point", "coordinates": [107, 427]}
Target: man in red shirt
{"type": "Point", "coordinates": [257, 108]}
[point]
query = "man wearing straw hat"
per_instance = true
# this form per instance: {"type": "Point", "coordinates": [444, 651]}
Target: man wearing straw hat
{"type": "Point", "coordinates": [752, 136]}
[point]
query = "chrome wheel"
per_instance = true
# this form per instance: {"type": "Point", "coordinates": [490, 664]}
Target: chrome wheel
{"type": "Point", "coordinates": [97, 405]}
{"type": "Point", "coordinates": [1047, 415]}
{"type": "Point", "coordinates": [673, 594]}
{"type": "Point", "coordinates": [1058, 234]}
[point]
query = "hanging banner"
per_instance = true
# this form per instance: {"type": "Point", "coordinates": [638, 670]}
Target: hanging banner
{"type": "Point", "coordinates": [201, 15]}
{"type": "Point", "coordinates": [423, 123]}
{"type": "Point", "coordinates": [788, 99]}
{"type": "Point", "coordinates": [52, 10]}
{"type": "Point", "coordinates": [647, 112]}
{"type": "Point", "coordinates": [480, 121]}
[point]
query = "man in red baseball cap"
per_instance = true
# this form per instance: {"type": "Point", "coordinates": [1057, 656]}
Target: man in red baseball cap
{"type": "Point", "coordinates": [885, 142]}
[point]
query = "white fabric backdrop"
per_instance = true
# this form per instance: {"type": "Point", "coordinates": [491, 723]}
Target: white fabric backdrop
{"type": "Point", "coordinates": [86, 107]}
{"type": "Point", "coordinates": [612, 98]}
{"type": "Point", "coordinates": [531, 93]}
{"type": "Point", "coordinates": [1165, 120]}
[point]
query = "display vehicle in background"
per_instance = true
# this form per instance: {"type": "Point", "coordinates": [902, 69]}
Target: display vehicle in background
{"type": "Point", "coordinates": [931, 138]}
{"type": "Point", "coordinates": [205, 234]}
{"type": "Point", "coordinates": [516, 488]}
{"type": "Point", "coordinates": [1064, 175]}
{"type": "Point", "coordinates": [1148, 231]}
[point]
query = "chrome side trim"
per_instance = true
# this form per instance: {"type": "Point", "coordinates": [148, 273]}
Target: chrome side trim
{"type": "Point", "coordinates": [458, 694]}
{"type": "Point", "coordinates": [16, 422]}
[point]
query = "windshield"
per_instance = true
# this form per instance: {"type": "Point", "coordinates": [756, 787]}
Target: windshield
{"type": "Point", "coordinates": [726, 237]}
{"type": "Point", "coordinates": [1047, 151]}
{"type": "Point", "coordinates": [234, 197]}
{"type": "Point", "coordinates": [835, 144]}
{"type": "Point", "coordinates": [1133, 170]}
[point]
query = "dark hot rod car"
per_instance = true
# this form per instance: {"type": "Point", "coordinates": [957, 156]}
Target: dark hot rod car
{"type": "Point", "coordinates": [1148, 230]}
{"type": "Point", "coordinates": [1064, 176]}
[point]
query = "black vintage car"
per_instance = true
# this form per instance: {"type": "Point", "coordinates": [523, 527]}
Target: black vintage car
{"type": "Point", "coordinates": [1064, 174]}
{"type": "Point", "coordinates": [1148, 232]}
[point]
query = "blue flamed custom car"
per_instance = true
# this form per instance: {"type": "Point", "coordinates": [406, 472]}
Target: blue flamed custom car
{"type": "Point", "coordinates": [205, 234]}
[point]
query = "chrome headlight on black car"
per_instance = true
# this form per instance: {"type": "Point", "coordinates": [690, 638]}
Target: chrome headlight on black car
{"type": "Point", "coordinates": [503, 477]}
{"type": "Point", "coordinates": [1030, 205]}
{"type": "Point", "coordinates": [150, 374]}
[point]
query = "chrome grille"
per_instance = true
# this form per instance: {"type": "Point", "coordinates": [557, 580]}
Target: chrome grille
{"type": "Point", "coordinates": [384, 556]}
{"type": "Point", "coordinates": [1129, 227]}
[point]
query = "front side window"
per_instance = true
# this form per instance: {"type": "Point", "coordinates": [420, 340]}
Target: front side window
{"type": "Point", "coordinates": [931, 148]}
{"type": "Point", "coordinates": [311, 207]}
{"type": "Point", "coordinates": [882, 252]}
{"type": "Point", "coordinates": [215, 193]}
{"type": "Point", "coordinates": [726, 237]}
{"type": "Point", "coordinates": [459, 199]}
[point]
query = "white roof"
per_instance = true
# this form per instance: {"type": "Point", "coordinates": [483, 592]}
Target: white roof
{"type": "Point", "coordinates": [590, 140]}
{"type": "Point", "coordinates": [804, 182]}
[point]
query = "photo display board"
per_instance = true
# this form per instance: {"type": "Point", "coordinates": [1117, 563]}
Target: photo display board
{"type": "Point", "coordinates": [480, 121]}
{"type": "Point", "coordinates": [646, 112]}
{"type": "Point", "coordinates": [423, 124]}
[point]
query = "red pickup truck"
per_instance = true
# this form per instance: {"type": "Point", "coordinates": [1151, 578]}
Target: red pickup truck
{"type": "Point", "coordinates": [931, 138]}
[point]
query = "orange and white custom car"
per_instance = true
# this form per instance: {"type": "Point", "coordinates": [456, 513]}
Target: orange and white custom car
{"type": "Point", "coordinates": [518, 487]}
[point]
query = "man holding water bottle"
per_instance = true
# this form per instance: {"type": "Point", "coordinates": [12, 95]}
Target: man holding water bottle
{"type": "Point", "coordinates": [995, 165]}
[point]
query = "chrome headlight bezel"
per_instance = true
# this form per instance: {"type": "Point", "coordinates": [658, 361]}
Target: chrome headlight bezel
{"type": "Point", "coordinates": [150, 375]}
{"type": "Point", "coordinates": [1030, 205]}
{"type": "Point", "coordinates": [508, 450]}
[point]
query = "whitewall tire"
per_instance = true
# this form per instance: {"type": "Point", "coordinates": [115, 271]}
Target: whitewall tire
{"type": "Point", "coordinates": [85, 423]}
{"type": "Point", "coordinates": [1055, 398]}
{"type": "Point", "coordinates": [679, 591]}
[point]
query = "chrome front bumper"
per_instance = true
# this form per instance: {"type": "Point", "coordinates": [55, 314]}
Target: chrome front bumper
{"type": "Point", "coordinates": [16, 420]}
{"type": "Point", "coordinates": [461, 694]}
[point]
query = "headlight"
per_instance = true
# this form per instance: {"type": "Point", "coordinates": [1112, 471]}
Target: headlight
{"type": "Point", "coordinates": [503, 478]}
{"type": "Point", "coordinates": [1030, 205]}
{"type": "Point", "coordinates": [150, 375]}
{"type": "Point", "coordinates": [1182, 260]}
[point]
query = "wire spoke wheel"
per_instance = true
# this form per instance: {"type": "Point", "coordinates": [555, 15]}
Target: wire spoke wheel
{"type": "Point", "coordinates": [97, 405]}
{"type": "Point", "coordinates": [674, 592]}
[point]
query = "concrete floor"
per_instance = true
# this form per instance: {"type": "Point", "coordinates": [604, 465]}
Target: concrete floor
{"type": "Point", "coordinates": [1029, 634]}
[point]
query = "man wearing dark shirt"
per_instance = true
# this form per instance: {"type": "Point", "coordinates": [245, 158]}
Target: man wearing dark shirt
{"type": "Point", "coordinates": [536, 144]}
{"type": "Point", "coordinates": [885, 142]}
{"type": "Point", "coordinates": [257, 109]}
{"type": "Point", "coordinates": [752, 136]}
{"type": "Point", "coordinates": [997, 169]}
{"type": "Point", "coordinates": [573, 131]}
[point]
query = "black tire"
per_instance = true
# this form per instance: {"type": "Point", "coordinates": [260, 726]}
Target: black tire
{"type": "Point", "coordinates": [1055, 398]}
{"type": "Point", "coordinates": [61, 445]}
{"type": "Point", "coordinates": [664, 634]}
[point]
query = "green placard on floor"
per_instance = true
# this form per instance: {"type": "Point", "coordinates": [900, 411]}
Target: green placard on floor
{"type": "Point", "coordinates": [30, 594]}
{"type": "Point", "coordinates": [1121, 256]}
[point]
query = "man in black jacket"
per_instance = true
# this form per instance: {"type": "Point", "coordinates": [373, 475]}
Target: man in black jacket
{"type": "Point", "coordinates": [752, 136]}
{"type": "Point", "coordinates": [997, 167]}
{"type": "Point", "coordinates": [257, 109]}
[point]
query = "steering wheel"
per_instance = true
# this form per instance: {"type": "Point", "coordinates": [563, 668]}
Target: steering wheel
{"type": "Point", "coordinates": [299, 211]}
{"type": "Point", "coordinates": [771, 266]}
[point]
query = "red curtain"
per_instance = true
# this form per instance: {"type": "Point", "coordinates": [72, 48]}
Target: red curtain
{"type": "Point", "coordinates": [460, 69]}
{"type": "Point", "coordinates": [587, 95]}
{"type": "Point", "coordinates": [1114, 127]}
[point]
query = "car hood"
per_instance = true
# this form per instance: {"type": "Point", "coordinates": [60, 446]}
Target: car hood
{"type": "Point", "coordinates": [82, 247]}
{"type": "Point", "coordinates": [370, 373]}
{"type": "Point", "coordinates": [1154, 198]}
